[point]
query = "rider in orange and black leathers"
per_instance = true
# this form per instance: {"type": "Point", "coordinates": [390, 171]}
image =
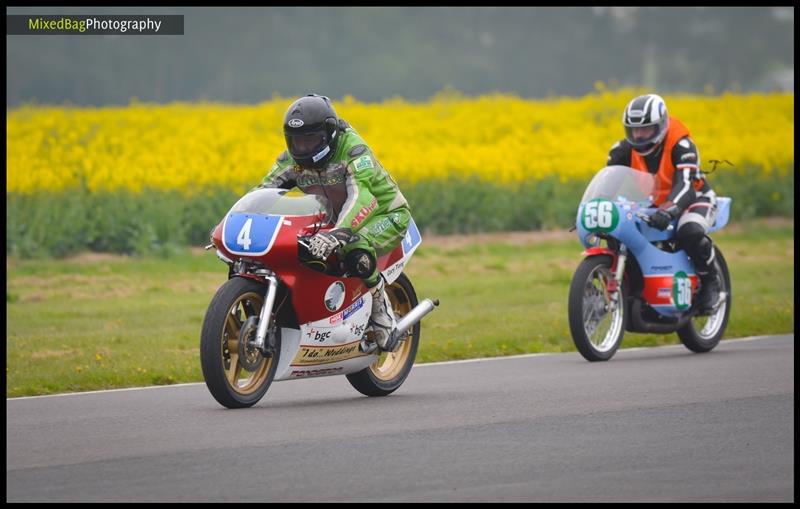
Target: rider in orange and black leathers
{"type": "Point", "coordinates": [661, 145]}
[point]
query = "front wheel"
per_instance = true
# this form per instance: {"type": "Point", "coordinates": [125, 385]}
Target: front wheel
{"type": "Point", "coordinates": [236, 374]}
{"type": "Point", "coordinates": [386, 374]}
{"type": "Point", "coordinates": [703, 333]}
{"type": "Point", "coordinates": [597, 324]}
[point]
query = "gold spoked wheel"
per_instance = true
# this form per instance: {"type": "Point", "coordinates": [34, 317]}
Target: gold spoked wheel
{"type": "Point", "coordinates": [390, 364]}
{"type": "Point", "coordinates": [236, 374]}
{"type": "Point", "coordinates": [391, 369]}
{"type": "Point", "coordinates": [245, 368]}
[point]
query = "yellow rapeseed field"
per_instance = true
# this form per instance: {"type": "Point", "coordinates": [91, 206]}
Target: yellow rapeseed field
{"type": "Point", "coordinates": [499, 138]}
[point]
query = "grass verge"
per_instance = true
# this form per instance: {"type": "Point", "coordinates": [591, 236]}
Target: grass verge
{"type": "Point", "coordinates": [99, 321]}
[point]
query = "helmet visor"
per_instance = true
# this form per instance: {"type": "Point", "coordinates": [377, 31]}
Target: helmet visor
{"type": "Point", "coordinates": [305, 144]}
{"type": "Point", "coordinates": [642, 137]}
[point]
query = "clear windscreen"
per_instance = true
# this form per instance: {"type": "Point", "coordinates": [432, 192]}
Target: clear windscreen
{"type": "Point", "coordinates": [621, 183]}
{"type": "Point", "coordinates": [282, 202]}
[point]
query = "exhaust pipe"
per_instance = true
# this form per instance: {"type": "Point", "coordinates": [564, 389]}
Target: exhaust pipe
{"type": "Point", "coordinates": [405, 323]}
{"type": "Point", "coordinates": [638, 324]}
{"type": "Point", "coordinates": [414, 316]}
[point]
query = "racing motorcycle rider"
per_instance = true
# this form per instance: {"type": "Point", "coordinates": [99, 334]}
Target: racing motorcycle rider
{"type": "Point", "coordinates": [327, 157]}
{"type": "Point", "coordinates": [661, 145]}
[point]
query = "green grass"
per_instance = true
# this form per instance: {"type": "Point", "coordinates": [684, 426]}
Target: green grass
{"type": "Point", "coordinates": [104, 321]}
{"type": "Point", "coordinates": [160, 223]}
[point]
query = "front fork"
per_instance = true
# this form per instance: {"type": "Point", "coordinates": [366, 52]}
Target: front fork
{"type": "Point", "coordinates": [616, 283]}
{"type": "Point", "coordinates": [265, 317]}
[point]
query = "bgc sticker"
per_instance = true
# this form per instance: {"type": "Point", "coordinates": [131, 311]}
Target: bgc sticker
{"type": "Point", "coordinates": [681, 291]}
{"type": "Point", "coordinates": [600, 215]}
{"type": "Point", "coordinates": [334, 296]}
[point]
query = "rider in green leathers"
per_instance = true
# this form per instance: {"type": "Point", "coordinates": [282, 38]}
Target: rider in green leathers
{"type": "Point", "coordinates": [327, 157]}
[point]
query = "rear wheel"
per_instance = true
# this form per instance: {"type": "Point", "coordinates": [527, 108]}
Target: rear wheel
{"type": "Point", "coordinates": [703, 333]}
{"type": "Point", "coordinates": [596, 328]}
{"type": "Point", "coordinates": [236, 374]}
{"type": "Point", "coordinates": [390, 370]}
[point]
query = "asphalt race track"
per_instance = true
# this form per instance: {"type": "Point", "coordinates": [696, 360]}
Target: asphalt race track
{"type": "Point", "coordinates": [656, 424]}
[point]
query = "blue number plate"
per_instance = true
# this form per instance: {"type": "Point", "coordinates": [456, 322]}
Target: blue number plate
{"type": "Point", "coordinates": [412, 238]}
{"type": "Point", "coordinates": [250, 234]}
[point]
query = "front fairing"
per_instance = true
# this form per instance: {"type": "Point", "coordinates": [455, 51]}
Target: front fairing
{"type": "Point", "coordinates": [261, 231]}
{"type": "Point", "coordinates": [254, 223]}
{"type": "Point", "coordinates": [610, 208]}
{"type": "Point", "coordinates": [611, 201]}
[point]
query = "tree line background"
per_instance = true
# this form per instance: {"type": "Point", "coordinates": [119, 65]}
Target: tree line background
{"type": "Point", "coordinates": [374, 53]}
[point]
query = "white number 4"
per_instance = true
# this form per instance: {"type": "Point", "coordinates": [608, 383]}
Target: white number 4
{"type": "Point", "coordinates": [244, 235]}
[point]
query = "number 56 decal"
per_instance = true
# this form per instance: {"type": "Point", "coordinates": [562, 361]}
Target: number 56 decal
{"type": "Point", "coordinates": [250, 234]}
{"type": "Point", "coordinates": [600, 216]}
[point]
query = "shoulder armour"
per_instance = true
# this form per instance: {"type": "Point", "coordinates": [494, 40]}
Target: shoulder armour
{"type": "Point", "coordinates": [358, 149]}
{"type": "Point", "coordinates": [282, 157]}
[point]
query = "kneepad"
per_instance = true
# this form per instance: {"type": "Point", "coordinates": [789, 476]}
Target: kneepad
{"type": "Point", "coordinates": [692, 238]}
{"type": "Point", "coordinates": [360, 263]}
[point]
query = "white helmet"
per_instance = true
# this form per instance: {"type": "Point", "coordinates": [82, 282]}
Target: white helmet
{"type": "Point", "coordinates": [644, 111]}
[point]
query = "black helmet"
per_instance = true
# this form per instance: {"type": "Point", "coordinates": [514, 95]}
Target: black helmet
{"type": "Point", "coordinates": [311, 128]}
{"type": "Point", "coordinates": [645, 111]}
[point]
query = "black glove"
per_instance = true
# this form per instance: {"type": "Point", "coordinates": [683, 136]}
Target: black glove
{"type": "Point", "coordinates": [661, 219]}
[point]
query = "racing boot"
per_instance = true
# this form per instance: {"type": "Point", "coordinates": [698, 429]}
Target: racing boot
{"type": "Point", "coordinates": [709, 297]}
{"type": "Point", "coordinates": [692, 238]}
{"type": "Point", "coordinates": [381, 321]}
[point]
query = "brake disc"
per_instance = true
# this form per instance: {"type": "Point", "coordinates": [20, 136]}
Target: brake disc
{"type": "Point", "coordinates": [249, 356]}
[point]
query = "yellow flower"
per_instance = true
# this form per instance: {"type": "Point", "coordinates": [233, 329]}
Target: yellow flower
{"type": "Point", "coordinates": [496, 137]}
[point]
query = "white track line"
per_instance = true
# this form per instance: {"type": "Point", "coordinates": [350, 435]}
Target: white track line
{"type": "Point", "coordinates": [417, 366]}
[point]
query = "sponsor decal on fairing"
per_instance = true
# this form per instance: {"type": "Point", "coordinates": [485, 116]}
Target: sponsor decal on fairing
{"type": "Point", "coordinates": [343, 315]}
{"type": "Point", "coordinates": [312, 355]}
{"type": "Point", "coordinates": [334, 296]}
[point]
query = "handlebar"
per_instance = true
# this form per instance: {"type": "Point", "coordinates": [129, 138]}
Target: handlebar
{"type": "Point", "coordinates": [303, 241]}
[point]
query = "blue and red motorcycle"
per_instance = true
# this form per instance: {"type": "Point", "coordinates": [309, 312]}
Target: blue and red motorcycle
{"type": "Point", "coordinates": [639, 280]}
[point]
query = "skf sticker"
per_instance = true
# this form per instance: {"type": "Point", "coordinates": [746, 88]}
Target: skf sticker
{"type": "Point", "coordinates": [363, 163]}
{"type": "Point", "coordinates": [364, 212]}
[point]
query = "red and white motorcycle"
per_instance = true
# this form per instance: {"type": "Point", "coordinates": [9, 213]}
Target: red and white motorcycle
{"type": "Point", "coordinates": [283, 315]}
